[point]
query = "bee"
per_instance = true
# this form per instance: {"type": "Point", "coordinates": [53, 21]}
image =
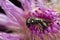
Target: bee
{"type": "Point", "coordinates": [37, 21]}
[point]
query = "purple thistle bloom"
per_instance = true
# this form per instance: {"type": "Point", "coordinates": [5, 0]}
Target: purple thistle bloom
{"type": "Point", "coordinates": [35, 22]}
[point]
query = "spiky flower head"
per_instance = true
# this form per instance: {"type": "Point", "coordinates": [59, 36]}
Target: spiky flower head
{"type": "Point", "coordinates": [35, 22]}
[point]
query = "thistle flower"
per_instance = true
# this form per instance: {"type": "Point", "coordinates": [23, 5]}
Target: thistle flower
{"type": "Point", "coordinates": [35, 22]}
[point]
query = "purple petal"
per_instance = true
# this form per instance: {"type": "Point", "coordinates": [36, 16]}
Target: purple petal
{"type": "Point", "coordinates": [6, 36]}
{"type": "Point", "coordinates": [31, 4]}
{"type": "Point", "coordinates": [9, 23]}
{"type": "Point", "coordinates": [26, 4]}
{"type": "Point", "coordinates": [14, 13]}
{"type": "Point", "coordinates": [3, 19]}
